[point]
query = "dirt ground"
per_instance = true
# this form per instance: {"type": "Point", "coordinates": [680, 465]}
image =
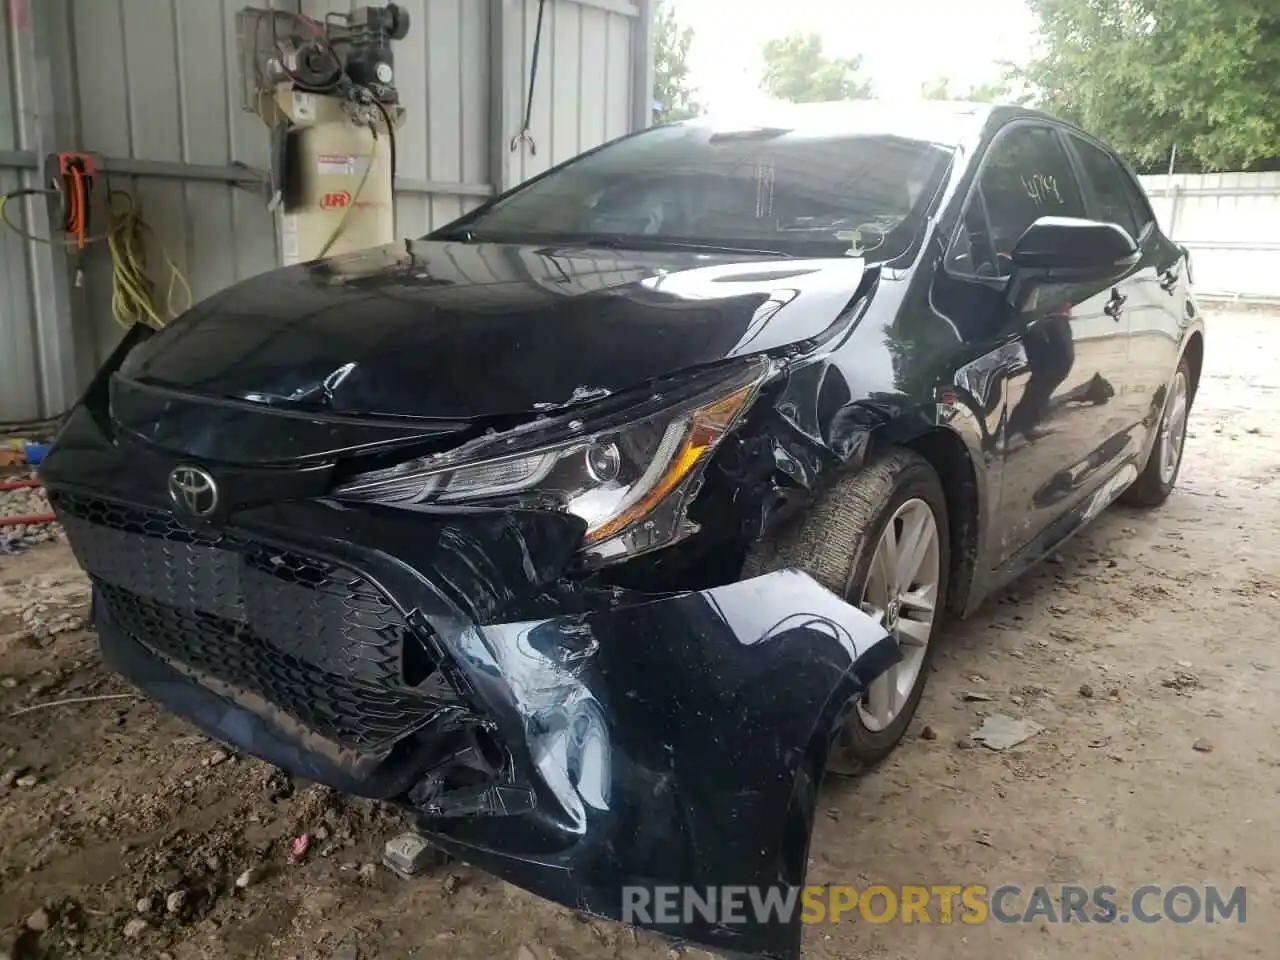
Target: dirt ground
{"type": "Point", "coordinates": [1148, 634]}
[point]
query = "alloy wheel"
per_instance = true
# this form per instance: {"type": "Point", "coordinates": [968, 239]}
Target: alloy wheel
{"type": "Point", "coordinates": [901, 593]}
{"type": "Point", "coordinates": [1173, 429]}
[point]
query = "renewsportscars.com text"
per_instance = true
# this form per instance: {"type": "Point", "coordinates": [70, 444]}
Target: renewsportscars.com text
{"type": "Point", "coordinates": [935, 903]}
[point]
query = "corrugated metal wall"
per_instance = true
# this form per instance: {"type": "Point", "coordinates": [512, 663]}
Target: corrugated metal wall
{"type": "Point", "coordinates": [153, 87]}
{"type": "Point", "coordinates": [30, 338]}
{"type": "Point", "coordinates": [582, 46]}
{"type": "Point", "coordinates": [19, 363]}
{"type": "Point", "coordinates": [1231, 224]}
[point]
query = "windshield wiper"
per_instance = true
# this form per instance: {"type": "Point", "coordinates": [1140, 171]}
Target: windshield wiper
{"type": "Point", "coordinates": [462, 235]}
{"type": "Point", "coordinates": [628, 241]}
{"type": "Point", "coordinates": [611, 241]}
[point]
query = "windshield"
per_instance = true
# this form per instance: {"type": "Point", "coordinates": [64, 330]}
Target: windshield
{"type": "Point", "coordinates": [797, 193]}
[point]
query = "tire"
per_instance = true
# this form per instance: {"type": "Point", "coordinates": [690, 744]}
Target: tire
{"type": "Point", "coordinates": [1159, 475]}
{"type": "Point", "coordinates": [835, 542]}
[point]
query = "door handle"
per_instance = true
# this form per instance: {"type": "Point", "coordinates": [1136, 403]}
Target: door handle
{"type": "Point", "coordinates": [1114, 305]}
{"type": "Point", "coordinates": [1169, 280]}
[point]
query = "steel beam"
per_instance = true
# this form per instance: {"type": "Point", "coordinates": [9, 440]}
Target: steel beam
{"type": "Point", "coordinates": [236, 174]}
{"type": "Point", "coordinates": [412, 185]}
{"type": "Point", "coordinates": [506, 84]}
{"type": "Point", "coordinates": [642, 66]}
{"type": "Point", "coordinates": [17, 160]}
{"type": "Point", "coordinates": [37, 106]}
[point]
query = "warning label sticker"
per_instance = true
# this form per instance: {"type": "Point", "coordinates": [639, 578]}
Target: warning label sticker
{"type": "Point", "coordinates": [336, 163]}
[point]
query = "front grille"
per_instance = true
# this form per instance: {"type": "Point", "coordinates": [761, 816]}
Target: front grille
{"type": "Point", "coordinates": [129, 519]}
{"type": "Point", "coordinates": [317, 640]}
{"type": "Point", "coordinates": [339, 708]}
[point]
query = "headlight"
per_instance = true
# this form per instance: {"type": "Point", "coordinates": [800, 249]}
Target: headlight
{"type": "Point", "coordinates": [630, 482]}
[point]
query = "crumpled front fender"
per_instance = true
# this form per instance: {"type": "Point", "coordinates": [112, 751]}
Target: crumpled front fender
{"type": "Point", "coordinates": [673, 742]}
{"type": "Point", "coordinates": [633, 739]}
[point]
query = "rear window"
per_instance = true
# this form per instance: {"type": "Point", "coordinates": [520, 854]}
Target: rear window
{"type": "Point", "coordinates": [798, 193]}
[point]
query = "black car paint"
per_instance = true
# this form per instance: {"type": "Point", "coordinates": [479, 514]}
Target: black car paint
{"type": "Point", "coordinates": [649, 739]}
{"type": "Point", "coordinates": [1041, 499]}
{"type": "Point", "coordinates": [276, 384]}
{"type": "Point", "coordinates": [635, 781]}
{"type": "Point", "coordinates": [410, 331]}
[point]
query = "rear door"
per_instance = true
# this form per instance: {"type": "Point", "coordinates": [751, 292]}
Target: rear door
{"type": "Point", "coordinates": [1146, 293]}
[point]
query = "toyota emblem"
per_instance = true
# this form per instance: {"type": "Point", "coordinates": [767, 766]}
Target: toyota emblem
{"type": "Point", "coordinates": [193, 490]}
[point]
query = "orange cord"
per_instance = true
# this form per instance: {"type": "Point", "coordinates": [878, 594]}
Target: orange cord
{"type": "Point", "coordinates": [82, 208]}
{"type": "Point", "coordinates": [78, 175]}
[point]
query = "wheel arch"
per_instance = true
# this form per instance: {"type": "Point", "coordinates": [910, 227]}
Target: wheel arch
{"type": "Point", "coordinates": [1193, 353]}
{"type": "Point", "coordinates": [948, 454]}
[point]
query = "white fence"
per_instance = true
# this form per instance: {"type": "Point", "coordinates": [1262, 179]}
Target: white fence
{"type": "Point", "coordinates": [1231, 224]}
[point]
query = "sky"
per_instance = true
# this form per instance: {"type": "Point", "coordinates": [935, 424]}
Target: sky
{"type": "Point", "coordinates": [903, 43]}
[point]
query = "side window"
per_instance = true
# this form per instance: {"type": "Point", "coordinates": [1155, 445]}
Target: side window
{"type": "Point", "coordinates": [1108, 180]}
{"type": "Point", "coordinates": [1025, 176]}
{"type": "Point", "coordinates": [1138, 200]}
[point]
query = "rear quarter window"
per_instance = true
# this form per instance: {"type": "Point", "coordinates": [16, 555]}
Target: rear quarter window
{"type": "Point", "coordinates": [1138, 200]}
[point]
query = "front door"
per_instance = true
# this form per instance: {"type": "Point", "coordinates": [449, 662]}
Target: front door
{"type": "Point", "coordinates": [1062, 433]}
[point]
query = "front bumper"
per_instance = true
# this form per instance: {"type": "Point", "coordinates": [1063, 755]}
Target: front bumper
{"type": "Point", "coordinates": [574, 743]}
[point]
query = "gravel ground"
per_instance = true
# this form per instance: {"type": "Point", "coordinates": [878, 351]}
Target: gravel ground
{"type": "Point", "coordinates": [23, 502]}
{"type": "Point", "coordinates": [1145, 652]}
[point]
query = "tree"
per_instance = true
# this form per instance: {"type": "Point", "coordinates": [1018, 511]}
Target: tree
{"type": "Point", "coordinates": [796, 69]}
{"type": "Point", "coordinates": [939, 88]}
{"type": "Point", "coordinates": [672, 94]}
{"type": "Point", "coordinates": [1145, 75]}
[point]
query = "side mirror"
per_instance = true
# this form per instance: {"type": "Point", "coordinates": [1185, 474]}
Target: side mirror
{"type": "Point", "coordinates": [1070, 250]}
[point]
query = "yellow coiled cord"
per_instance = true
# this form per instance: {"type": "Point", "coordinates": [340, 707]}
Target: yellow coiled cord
{"type": "Point", "coordinates": [132, 291]}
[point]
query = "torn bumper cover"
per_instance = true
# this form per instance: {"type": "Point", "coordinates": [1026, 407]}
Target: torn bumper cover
{"type": "Point", "coordinates": [623, 740]}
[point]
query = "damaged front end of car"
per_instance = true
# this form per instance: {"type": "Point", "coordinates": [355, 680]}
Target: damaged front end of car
{"type": "Point", "coordinates": [530, 637]}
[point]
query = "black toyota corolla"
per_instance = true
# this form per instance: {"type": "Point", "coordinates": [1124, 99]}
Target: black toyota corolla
{"type": "Point", "coordinates": [594, 528]}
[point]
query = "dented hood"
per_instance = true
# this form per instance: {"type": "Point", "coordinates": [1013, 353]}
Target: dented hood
{"type": "Point", "coordinates": [461, 330]}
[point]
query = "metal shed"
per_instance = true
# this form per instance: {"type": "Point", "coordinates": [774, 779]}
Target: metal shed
{"type": "Point", "coordinates": [151, 88]}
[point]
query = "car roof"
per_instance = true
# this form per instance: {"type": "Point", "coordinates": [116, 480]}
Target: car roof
{"type": "Point", "coordinates": [948, 122]}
